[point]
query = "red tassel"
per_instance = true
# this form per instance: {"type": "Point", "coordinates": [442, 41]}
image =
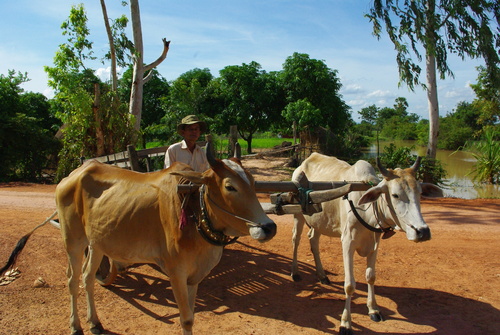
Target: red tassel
{"type": "Point", "coordinates": [184, 220]}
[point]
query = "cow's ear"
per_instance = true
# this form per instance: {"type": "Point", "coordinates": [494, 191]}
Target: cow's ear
{"type": "Point", "coordinates": [431, 191]}
{"type": "Point", "coordinates": [371, 195]}
{"type": "Point", "coordinates": [192, 176]}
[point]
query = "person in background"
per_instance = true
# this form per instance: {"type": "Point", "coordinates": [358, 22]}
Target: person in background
{"type": "Point", "coordinates": [187, 151]}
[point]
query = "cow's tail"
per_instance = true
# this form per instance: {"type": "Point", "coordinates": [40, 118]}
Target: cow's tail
{"type": "Point", "coordinates": [22, 242]}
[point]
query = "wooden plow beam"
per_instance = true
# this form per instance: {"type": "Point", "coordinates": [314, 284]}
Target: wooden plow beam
{"type": "Point", "coordinates": [302, 196]}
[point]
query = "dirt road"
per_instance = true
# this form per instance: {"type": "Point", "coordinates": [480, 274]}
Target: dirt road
{"type": "Point", "coordinates": [447, 286]}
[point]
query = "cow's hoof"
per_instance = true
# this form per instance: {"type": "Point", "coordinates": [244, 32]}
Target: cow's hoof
{"type": "Point", "coordinates": [377, 317]}
{"type": "Point", "coordinates": [325, 281]}
{"type": "Point", "coordinates": [77, 332]}
{"type": "Point", "coordinates": [345, 331]}
{"type": "Point", "coordinates": [296, 277]}
{"type": "Point", "coordinates": [98, 329]}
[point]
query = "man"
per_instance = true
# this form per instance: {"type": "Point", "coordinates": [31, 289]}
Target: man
{"type": "Point", "coordinates": [187, 151]}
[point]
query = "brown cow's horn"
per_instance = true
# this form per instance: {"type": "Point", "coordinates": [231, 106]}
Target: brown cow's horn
{"type": "Point", "coordinates": [237, 150]}
{"type": "Point", "coordinates": [416, 165]}
{"type": "Point", "coordinates": [382, 169]}
{"type": "Point", "coordinates": [210, 154]}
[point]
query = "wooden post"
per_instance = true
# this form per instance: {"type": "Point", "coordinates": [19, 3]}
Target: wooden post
{"type": "Point", "coordinates": [233, 138]}
{"type": "Point", "coordinates": [133, 158]}
{"type": "Point", "coordinates": [294, 129]}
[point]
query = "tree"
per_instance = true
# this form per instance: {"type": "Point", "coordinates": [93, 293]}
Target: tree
{"type": "Point", "coordinates": [138, 77]}
{"type": "Point", "coordinates": [155, 93]}
{"type": "Point", "coordinates": [370, 115]}
{"type": "Point", "coordinates": [306, 78]}
{"type": "Point", "coordinates": [303, 113]}
{"type": "Point", "coordinates": [189, 92]}
{"type": "Point", "coordinates": [401, 106]}
{"type": "Point", "coordinates": [454, 133]}
{"type": "Point", "coordinates": [465, 28]}
{"type": "Point", "coordinates": [112, 49]}
{"type": "Point", "coordinates": [392, 122]}
{"type": "Point", "coordinates": [27, 128]}
{"type": "Point", "coordinates": [487, 100]}
{"type": "Point", "coordinates": [303, 78]}
{"type": "Point", "coordinates": [94, 123]}
{"type": "Point", "coordinates": [399, 128]}
{"type": "Point", "coordinates": [369, 123]}
{"type": "Point", "coordinates": [252, 99]}
{"type": "Point", "coordinates": [470, 115]}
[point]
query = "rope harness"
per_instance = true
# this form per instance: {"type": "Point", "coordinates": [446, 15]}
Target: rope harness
{"type": "Point", "coordinates": [206, 229]}
{"type": "Point", "coordinates": [388, 232]}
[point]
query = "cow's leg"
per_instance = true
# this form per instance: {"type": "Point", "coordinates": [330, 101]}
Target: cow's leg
{"type": "Point", "coordinates": [92, 263]}
{"type": "Point", "coordinates": [192, 290]}
{"type": "Point", "coordinates": [298, 227]}
{"type": "Point", "coordinates": [349, 285]}
{"type": "Point", "coordinates": [183, 294]}
{"type": "Point", "coordinates": [314, 236]}
{"type": "Point", "coordinates": [75, 256]}
{"type": "Point", "coordinates": [371, 302]}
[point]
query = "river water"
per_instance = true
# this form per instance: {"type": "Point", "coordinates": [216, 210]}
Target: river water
{"type": "Point", "coordinates": [457, 165]}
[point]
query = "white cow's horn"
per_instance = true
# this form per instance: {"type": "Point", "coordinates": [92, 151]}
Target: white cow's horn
{"type": "Point", "coordinates": [382, 169]}
{"type": "Point", "coordinates": [416, 165]}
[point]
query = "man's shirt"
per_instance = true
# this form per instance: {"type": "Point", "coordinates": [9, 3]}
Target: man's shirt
{"type": "Point", "coordinates": [179, 152]}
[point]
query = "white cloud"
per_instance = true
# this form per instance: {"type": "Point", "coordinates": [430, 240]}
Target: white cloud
{"type": "Point", "coordinates": [451, 94]}
{"type": "Point", "coordinates": [352, 89]}
{"type": "Point", "coordinates": [357, 103]}
{"type": "Point", "coordinates": [105, 73]}
{"type": "Point", "coordinates": [49, 93]}
{"type": "Point", "coordinates": [381, 94]}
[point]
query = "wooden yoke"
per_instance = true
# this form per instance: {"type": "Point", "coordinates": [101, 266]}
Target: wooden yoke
{"type": "Point", "coordinates": [301, 196]}
{"type": "Point", "coordinates": [308, 199]}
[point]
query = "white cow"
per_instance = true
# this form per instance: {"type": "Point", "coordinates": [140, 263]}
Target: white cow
{"type": "Point", "coordinates": [393, 204]}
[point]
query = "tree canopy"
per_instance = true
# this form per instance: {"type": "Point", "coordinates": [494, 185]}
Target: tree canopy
{"type": "Point", "coordinates": [27, 129]}
{"type": "Point", "coordinates": [251, 99]}
{"type": "Point", "coordinates": [467, 28]}
{"type": "Point", "coordinates": [310, 79]}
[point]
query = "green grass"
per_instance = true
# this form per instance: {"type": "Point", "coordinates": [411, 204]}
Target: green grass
{"type": "Point", "coordinates": [257, 143]}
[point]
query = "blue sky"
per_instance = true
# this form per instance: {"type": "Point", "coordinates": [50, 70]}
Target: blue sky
{"type": "Point", "coordinates": [215, 34]}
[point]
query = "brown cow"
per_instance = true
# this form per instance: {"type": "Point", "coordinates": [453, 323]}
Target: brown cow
{"type": "Point", "coordinates": [134, 217]}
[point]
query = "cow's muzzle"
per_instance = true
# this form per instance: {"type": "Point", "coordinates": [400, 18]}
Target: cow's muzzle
{"type": "Point", "coordinates": [423, 234]}
{"type": "Point", "coordinates": [263, 232]}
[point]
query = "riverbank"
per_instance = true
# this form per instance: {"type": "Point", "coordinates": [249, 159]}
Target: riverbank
{"type": "Point", "coordinates": [458, 166]}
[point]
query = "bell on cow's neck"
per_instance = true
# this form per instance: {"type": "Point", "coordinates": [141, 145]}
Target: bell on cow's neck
{"type": "Point", "coordinates": [388, 233]}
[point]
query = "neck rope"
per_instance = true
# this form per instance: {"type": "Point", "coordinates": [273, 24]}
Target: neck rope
{"type": "Point", "coordinates": [206, 229]}
{"type": "Point", "coordinates": [388, 232]}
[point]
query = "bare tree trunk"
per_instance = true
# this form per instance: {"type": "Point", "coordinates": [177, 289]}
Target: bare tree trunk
{"type": "Point", "coordinates": [432, 98]}
{"type": "Point", "coordinates": [138, 71]}
{"type": "Point", "coordinates": [112, 51]}
{"type": "Point", "coordinates": [98, 124]}
{"type": "Point", "coordinates": [138, 79]}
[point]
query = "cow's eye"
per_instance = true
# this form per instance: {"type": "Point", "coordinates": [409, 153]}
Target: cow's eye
{"type": "Point", "coordinates": [395, 196]}
{"type": "Point", "coordinates": [230, 188]}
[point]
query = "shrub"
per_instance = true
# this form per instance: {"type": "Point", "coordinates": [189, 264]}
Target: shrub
{"type": "Point", "coordinates": [394, 157]}
{"type": "Point", "coordinates": [487, 167]}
